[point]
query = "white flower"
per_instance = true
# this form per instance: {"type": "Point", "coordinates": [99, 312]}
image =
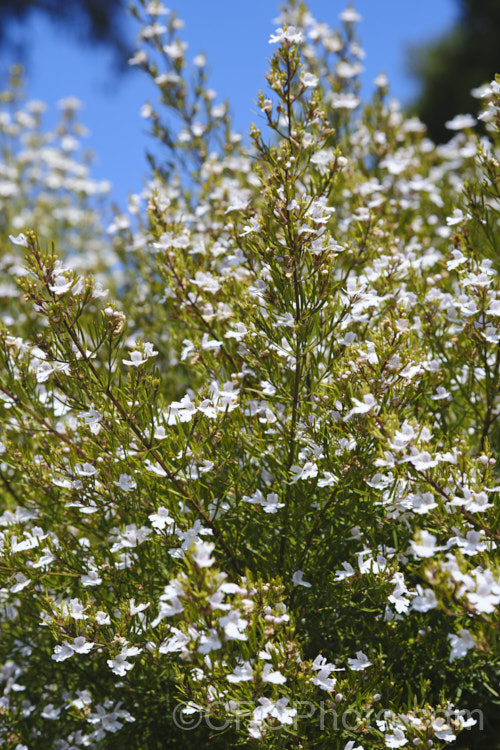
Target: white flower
{"type": "Point", "coordinates": [175, 643]}
{"type": "Point", "coordinates": [396, 739]}
{"type": "Point", "coordinates": [182, 411]}
{"type": "Point", "coordinates": [21, 583]}
{"type": "Point", "coordinates": [347, 572]}
{"type": "Point", "coordinates": [308, 471]}
{"type": "Point", "coordinates": [291, 35]}
{"type": "Point", "coordinates": [234, 625]}
{"type": "Point", "coordinates": [206, 281]}
{"type": "Point", "coordinates": [423, 503]}
{"type": "Point", "coordinates": [131, 537]}
{"type": "Point", "coordinates": [327, 480]}
{"type": "Point", "coordinates": [106, 719]}
{"type": "Point", "coordinates": [154, 29]}
{"type": "Point", "coordinates": [241, 673]}
{"type": "Point", "coordinates": [137, 358]}
{"type": "Point", "coordinates": [200, 60]}
{"type": "Point", "coordinates": [278, 710]}
{"type": "Point", "coordinates": [422, 461]}
{"type": "Point", "coordinates": [461, 122]}
{"type": "Point", "coordinates": [239, 333]}
{"type": "Point", "coordinates": [440, 394]}
{"type": "Point", "coordinates": [45, 369]}
{"type": "Point", "coordinates": [345, 100]}
{"type": "Point", "coordinates": [61, 653]}
{"type": "Point", "coordinates": [254, 729]}
{"type": "Point", "coordinates": [481, 92]}
{"type": "Point", "coordinates": [126, 483]}
{"type": "Point", "coordinates": [425, 600]}
{"type": "Point", "coordinates": [457, 217]}
{"type": "Point", "coordinates": [87, 470]}
{"type": "Point", "coordinates": [201, 555]}
{"type": "Point", "coordinates": [102, 618]}
{"type": "Point", "coordinates": [84, 699]}
{"type": "Point", "coordinates": [426, 547]}
{"type": "Point", "coordinates": [93, 419]}
{"type": "Point", "coordinates": [297, 579]}
{"type": "Point", "coordinates": [403, 437]}
{"type": "Point", "coordinates": [61, 284]}
{"type": "Point", "coordinates": [209, 642]}
{"type": "Point", "coordinates": [276, 678]}
{"type": "Point", "coordinates": [49, 712]}
{"type": "Point", "coordinates": [271, 504]}
{"type": "Point", "coordinates": [282, 713]}
{"type": "Point", "coordinates": [79, 646]}
{"type": "Point", "coordinates": [348, 70]}
{"type": "Point", "coordinates": [323, 679]}
{"type": "Point", "coordinates": [442, 730]}
{"type": "Point", "coordinates": [139, 58]}
{"type": "Point", "coordinates": [363, 407]}
{"type": "Point", "coordinates": [460, 644]}
{"type": "Point", "coordinates": [486, 595]}
{"type": "Point", "coordinates": [285, 320]}
{"type": "Point", "coordinates": [237, 204]}
{"type": "Point", "coordinates": [154, 468]}
{"type": "Point", "coordinates": [349, 15]}
{"type": "Point", "coordinates": [119, 665]}
{"type": "Point", "coordinates": [398, 598]}
{"type": "Point", "coordinates": [135, 609]}
{"type": "Point", "coordinates": [172, 606]}
{"type": "Point", "coordinates": [97, 290]}
{"type": "Point", "coordinates": [252, 227]}
{"type": "Point", "coordinates": [160, 519]}
{"type": "Point", "coordinates": [208, 344]}
{"type": "Point", "coordinates": [28, 543]}
{"type": "Point", "coordinates": [263, 710]}
{"type": "Point", "coordinates": [309, 80]}
{"type": "Point", "coordinates": [458, 259]}
{"type": "Point", "coordinates": [176, 49]}
{"type": "Point", "coordinates": [381, 81]}
{"type": "Point", "coordinates": [75, 609]}
{"type": "Point", "coordinates": [323, 159]}
{"type": "Point", "coordinates": [20, 240]}
{"type": "Point", "coordinates": [360, 663]}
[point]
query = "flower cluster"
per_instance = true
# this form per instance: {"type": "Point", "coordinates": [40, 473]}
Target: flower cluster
{"type": "Point", "coordinates": [266, 475]}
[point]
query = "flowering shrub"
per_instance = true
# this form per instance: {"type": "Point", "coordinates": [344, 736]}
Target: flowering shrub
{"type": "Point", "coordinates": [254, 499]}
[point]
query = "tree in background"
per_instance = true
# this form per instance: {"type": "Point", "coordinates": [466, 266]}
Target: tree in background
{"type": "Point", "coordinates": [93, 20]}
{"type": "Point", "coordinates": [465, 57]}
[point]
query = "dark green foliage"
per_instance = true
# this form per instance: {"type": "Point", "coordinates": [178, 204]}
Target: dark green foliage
{"type": "Point", "coordinates": [448, 67]}
{"type": "Point", "coordinates": [95, 21]}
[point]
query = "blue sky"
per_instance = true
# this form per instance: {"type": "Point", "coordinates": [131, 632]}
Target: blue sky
{"type": "Point", "coordinates": [234, 35]}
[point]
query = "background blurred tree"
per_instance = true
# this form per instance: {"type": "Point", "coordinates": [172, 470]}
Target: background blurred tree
{"type": "Point", "coordinates": [96, 21]}
{"type": "Point", "coordinates": [464, 57]}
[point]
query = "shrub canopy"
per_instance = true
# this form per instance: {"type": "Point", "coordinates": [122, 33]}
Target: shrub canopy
{"type": "Point", "coordinates": [249, 430]}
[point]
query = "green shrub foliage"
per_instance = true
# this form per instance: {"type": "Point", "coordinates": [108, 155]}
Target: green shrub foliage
{"type": "Point", "coordinates": [249, 429]}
